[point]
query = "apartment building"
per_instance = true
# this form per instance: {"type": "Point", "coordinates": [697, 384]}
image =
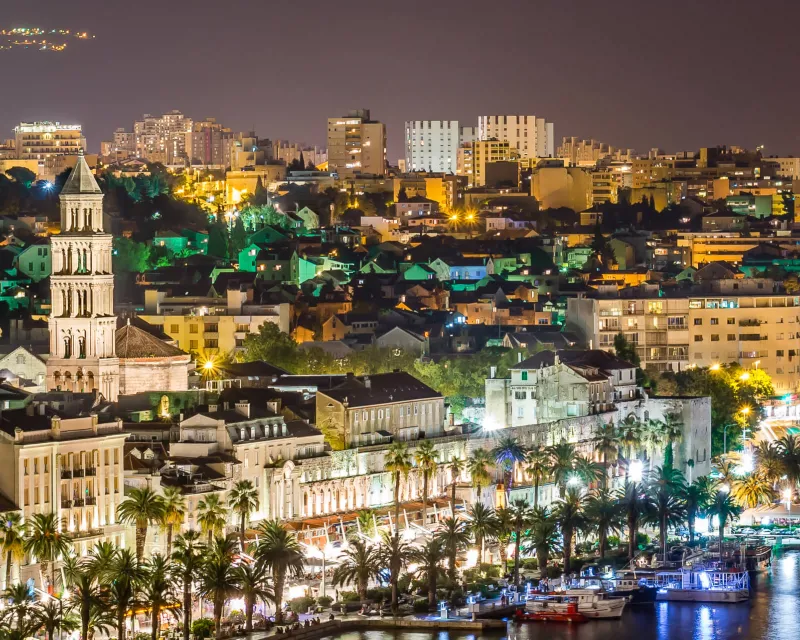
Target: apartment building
{"type": "Point", "coordinates": [532, 137]}
{"type": "Point", "coordinates": [43, 140]}
{"type": "Point", "coordinates": [209, 144]}
{"type": "Point", "coordinates": [487, 151]}
{"type": "Point", "coordinates": [356, 145]}
{"type": "Point", "coordinates": [432, 145]}
{"type": "Point", "coordinates": [162, 138]}
{"type": "Point", "coordinates": [69, 466]}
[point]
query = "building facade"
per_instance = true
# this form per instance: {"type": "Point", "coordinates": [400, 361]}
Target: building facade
{"type": "Point", "coordinates": [43, 140]}
{"type": "Point", "coordinates": [432, 145]}
{"type": "Point", "coordinates": [532, 137]}
{"type": "Point", "coordinates": [356, 145]}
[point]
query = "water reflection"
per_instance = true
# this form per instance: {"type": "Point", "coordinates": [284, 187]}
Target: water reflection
{"type": "Point", "coordinates": [773, 613]}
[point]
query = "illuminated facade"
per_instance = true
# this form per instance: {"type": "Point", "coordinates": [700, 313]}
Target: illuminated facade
{"type": "Point", "coordinates": [44, 140]}
{"type": "Point", "coordinates": [432, 145]}
{"type": "Point", "coordinates": [162, 138]}
{"type": "Point", "coordinates": [356, 145]}
{"type": "Point", "coordinates": [532, 137]}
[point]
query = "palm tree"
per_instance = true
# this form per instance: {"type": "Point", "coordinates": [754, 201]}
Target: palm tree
{"type": "Point", "coordinates": [218, 579]}
{"type": "Point", "coordinates": [426, 458]}
{"type": "Point", "coordinates": [212, 516]}
{"type": "Point", "coordinates": [392, 553]}
{"type": "Point", "coordinates": [482, 524]}
{"type": "Point", "coordinates": [243, 499]}
{"type": "Point", "coordinates": [562, 464]}
{"type": "Point", "coordinates": [253, 581]}
{"type": "Point", "coordinates": [102, 559]}
{"type": "Point", "coordinates": [696, 497]}
{"type": "Point", "coordinates": [665, 490]}
{"type": "Point", "coordinates": [602, 517]}
{"type": "Point", "coordinates": [503, 531]}
{"type": "Point", "coordinates": [187, 560]}
{"type": "Point", "coordinates": [652, 438]}
{"type": "Point", "coordinates": [537, 468]}
{"type": "Point", "coordinates": [429, 557]}
{"type": "Point", "coordinates": [630, 435]}
{"type": "Point", "coordinates": [142, 507]}
{"type": "Point", "coordinates": [635, 504]}
{"type": "Point", "coordinates": [50, 616]}
{"type": "Point", "coordinates": [589, 471]}
{"type": "Point", "coordinates": [725, 508]}
{"type": "Point", "coordinates": [87, 595]}
{"type": "Point", "coordinates": [174, 512]}
{"type": "Point", "coordinates": [569, 515]}
{"type": "Point", "coordinates": [520, 519]}
{"type": "Point", "coordinates": [726, 472]}
{"type": "Point", "coordinates": [543, 537]}
{"type": "Point", "coordinates": [123, 589]}
{"type": "Point", "coordinates": [158, 591]}
{"type": "Point", "coordinates": [753, 490]}
{"type": "Point", "coordinates": [280, 551]}
{"type": "Point", "coordinates": [606, 443]}
{"type": "Point", "coordinates": [768, 460]}
{"type": "Point", "coordinates": [507, 454]}
{"type": "Point", "coordinates": [358, 564]}
{"type": "Point", "coordinates": [46, 542]}
{"type": "Point", "coordinates": [453, 534]}
{"type": "Point", "coordinates": [788, 448]}
{"type": "Point", "coordinates": [456, 466]}
{"type": "Point", "coordinates": [20, 603]}
{"type": "Point", "coordinates": [672, 435]}
{"type": "Point", "coordinates": [478, 465]}
{"type": "Point", "coordinates": [398, 462]}
{"type": "Point", "coordinates": [12, 541]}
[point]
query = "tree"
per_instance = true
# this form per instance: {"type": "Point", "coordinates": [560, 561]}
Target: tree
{"type": "Point", "coordinates": [272, 345]}
{"type": "Point", "coordinates": [392, 553]}
{"type": "Point", "coordinates": [397, 461]}
{"type": "Point", "coordinates": [428, 558]}
{"type": "Point", "coordinates": [87, 596]}
{"type": "Point", "coordinates": [21, 175]}
{"type": "Point", "coordinates": [51, 617]}
{"type": "Point", "coordinates": [562, 464]}
{"type": "Point", "coordinates": [478, 465]}
{"type": "Point", "coordinates": [426, 458]}
{"type": "Point", "coordinates": [130, 256]}
{"type": "Point", "coordinates": [482, 525]}
{"type": "Point", "coordinates": [630, 437]}
{"type": "Point", "coordinates": [503, 532]}
{"type": "Point", "coordinates": [696, 497]}
{"type": "Point", "coordinates": [260, 194]}
{"type": "Point", "coordinates": [46, 542]}
{"type": "Point", "coordinates": [20, 604]}
{"type": "Point", "coordinates": [521, 516]}
{"type": "Point", "coordinates": [142, 507]}
{"type": "Point", "coordinates": [672, 435]}
{"type": "Point", "coordinates": [635, 505]}
{"type": "Point", "coordinates": [253, 582]}
{"type": "Point", "coordinates": [570, 517]}
{"type": "Point", "coordinates": [607, 444]}
{"type": "Point", "coordinates": [218, 578]}
{"type": "Point", "coordinates": [507, 454]}
{"type": "Point", "coordinates": [753, 490]}
{"type": "Point", "coordinates": [537, 468]}
{"type": "Point", "coordinates": [12, 541]}
{"type": "Point", "coordinates": [768, 460]}
{"type": "Point", "coordinates": [588, 471]}
{"type": "Point", "coordinates": [174, 511]}
{"type": "Point", "coordinates": [212, 516]}
{"type": "Point", "coordinates": [279, 550]}
{"type": "Point", "coordinates": [602, 517]}
{"type": "Point", "coordinates": [453, 534]}
{"type": "Point", "coordinates": [668, 510]}
{"type": "Point", "coordinates": [238, 237]}
{"type": "Point", "coordinates": [158, 591]}
{"type": "Point", "coordinates": [358, 564]}
{"type": "Point", "coordinates": [129, 575]}
{"type": "Point", "coordinates": [187, 560]}
{"type": "Point", "coordinates": [723, 506]}
{"type": "Point", "coordinates": [788, 448]}
{"type": "Point", "coordinates": [456, 466]}
{"type": "Point", "coordinates": [218, 241]}
{"type": "Point", "coordinates": [243, 499]}
{"type": "Point", "coordinates": [402, 196]}
{"type": "Point", "coordinates": [543, 537]}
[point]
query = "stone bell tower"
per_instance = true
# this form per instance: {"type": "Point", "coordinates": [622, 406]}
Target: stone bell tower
{"type": "Point", "coordinates": [82, 322]}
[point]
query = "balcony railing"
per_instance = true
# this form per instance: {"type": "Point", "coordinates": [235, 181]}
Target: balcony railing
{"type": "Point", "coordinates": [750, 323]}
{"type": "Point", "coordinates": [78, 503]}
{"type": "Point", "coordinates": [66, 504]}
{"type": "Point", "coordinates": [66, 474]}
{"type": "Point", "coordinates": [91, 501]}
{"type": "Point", "coordinates": [77, 473]}
{"type": "Point", "coordinates": [91, 471]}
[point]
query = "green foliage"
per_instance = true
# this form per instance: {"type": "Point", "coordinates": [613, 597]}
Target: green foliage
{"type": "Point", "coordinates": [130, 256]}
{"type": "Point", "coordinates": [301, 604]}
{"type": "Point", "coordinates": [238, 237]}
{"type": "Point", "coordinates": [201, 628]}
{"type": "Point", "coordinates": [257, 216]}
{"type": "Point", "coordinates": [324, 601]}
{"type": "Point", "coordinates": [218, 241]}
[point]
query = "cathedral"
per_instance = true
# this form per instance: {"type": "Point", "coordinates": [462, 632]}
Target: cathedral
{"type": "Point", "coordinates": [83, 328]}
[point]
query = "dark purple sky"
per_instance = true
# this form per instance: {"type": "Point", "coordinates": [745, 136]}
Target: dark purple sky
{"type": "Point", "coordinates": [645, 73]}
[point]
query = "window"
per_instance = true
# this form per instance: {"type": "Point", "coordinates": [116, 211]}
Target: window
{"type": "Point", "coordinates": [213, 328]}
{"type": "Point", "coordinates": [698, 322]}
{"type": "Point", "coordinates": [698, 338]}
{"type": "Point", "coordinates": [402, 411]}
{"type": "Point", "coordinates": [193, 344]}
{"type": "Point", "coordinates": [520, 395]}
{"type": "Point", "coordinates": [192, 328]}
{"type": "Point", "coordinates": [355, 417]}
{"type": "Point", "coordinates": [714, 320]}
{"type": "Point", "coordinates": [779, 353]}
{"type": "Point", "coordinates": [731, 320]}
{"type": "Point", "coordinates": [380, 414]}
{"type": "Point", "coordinates": [173, 328]}
{"type": "Point", "coordinates": [520, 412]}
{"type": "Point", "coordinates": [364, 416]}
{"type": "Point", "coordinates": [211, 344]}
{"type": "Point", "coordinates": [524, 375]}
{"type": "Point", "coordinates": [731, 337]}
{"type": "Point", "coordinates": [714, 337]}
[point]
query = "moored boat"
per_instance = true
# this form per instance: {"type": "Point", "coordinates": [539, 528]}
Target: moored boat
{"type": "Point", "coordinates": [551, 609]}
{"type": "Point", "coordinates": [702, 585]}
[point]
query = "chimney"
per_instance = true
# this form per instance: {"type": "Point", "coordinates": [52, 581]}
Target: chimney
{"type": "Point", "coordinates": [367, 382]}
{"type": "Point", "coordinates": [519, 357]}
{"type": "Point", "coordinates": [492, 371]}
{"type": "Point", "coordinates": [42, 409]}
{"type": "Point", "coordinates": [212, 408]}
{"type": "Point", "coordinates": [274, 406]}
{"type": "Point", "coordinates": [283, 429]}
{"type": "Point", "coordinates": [243, 407]}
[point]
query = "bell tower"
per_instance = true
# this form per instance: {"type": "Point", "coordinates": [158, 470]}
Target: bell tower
{"type": "Point", "coordinates": [82, 322]}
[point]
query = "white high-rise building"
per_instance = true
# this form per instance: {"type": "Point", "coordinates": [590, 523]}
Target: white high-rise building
{"type": "Point", "coordinates": [82, 322]}
{"type": "Point", "coordinates": [533, 137]}
{"type": "Point", "coordinates": [432, 145]}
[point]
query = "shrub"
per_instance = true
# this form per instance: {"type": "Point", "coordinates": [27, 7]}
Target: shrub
{"type": "Point", "coordinates": [420, 606]}
{"type": "Point", "coordinates": [349, 596]}
{"type": "Point", "coordinates": [377, 594]}
{"type": "Point", "coordinates": [642, 540]}
{"type": "Point", "coordinates": [301, 604]}
{"type": "Point", "coordinates": [142, 636]}
{"type": "Point", "coordinates": [202, 628]}
{"type": "Point", "coordinates": [324, 601]}
{"type": "Point", "coordinates": [613, 541]}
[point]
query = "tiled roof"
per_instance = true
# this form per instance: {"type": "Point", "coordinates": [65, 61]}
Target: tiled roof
{"type": "Point", "coordinates": [81, 180]}
{"type": "Point", "coordinates": [133, 342]}
{"type": "Point", "coordinates": [380, 388]}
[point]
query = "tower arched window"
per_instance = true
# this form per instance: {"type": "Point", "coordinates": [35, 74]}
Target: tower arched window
{"type": "Point", "coordinates": [67, 348]}
{"type": "Point", "coordinates": [82, 347]}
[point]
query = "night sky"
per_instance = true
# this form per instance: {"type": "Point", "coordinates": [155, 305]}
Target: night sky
{"type": "Point", "coordinates": [640, 74]}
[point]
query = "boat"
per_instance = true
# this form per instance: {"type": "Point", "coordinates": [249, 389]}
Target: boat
{"type": "Point", "coordinates": [703, 585]}
{"type": "Point", "coordinates": [637, 586]}
{"type": "Point", "coordinates": [550, 609]}
{"type": "Point", "coordinates": [593, 603]}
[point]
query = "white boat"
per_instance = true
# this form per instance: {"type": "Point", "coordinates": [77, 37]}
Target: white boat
{"type": "Point", "coordinates": [593, 603]}
{"type": "Point", "coordinates": [703, 585]}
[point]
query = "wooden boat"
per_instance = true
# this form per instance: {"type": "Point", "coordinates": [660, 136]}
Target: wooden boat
{"type": "Point", "coordinates": [551, 609]}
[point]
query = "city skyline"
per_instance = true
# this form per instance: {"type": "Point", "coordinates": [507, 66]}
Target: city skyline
{"type": "Point", "coordinates": [695, 95]}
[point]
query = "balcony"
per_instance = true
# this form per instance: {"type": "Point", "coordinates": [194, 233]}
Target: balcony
{"type": "Point", "coordinates": [66, 474]}
{"type": "Point", "coordinates": [78, 503]}
{"type": "Point", "coordinates": [91, 472]}
{"type": "Point", "coordinates": [750, 323]}
{"type": "Point", "coordinates": [66, 504]}
{"type": "Point", "coordinates": [91, 501]}
{"type": "Point", "coordinates": [77, 473]}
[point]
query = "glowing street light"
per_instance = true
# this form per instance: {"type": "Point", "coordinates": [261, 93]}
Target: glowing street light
{"type": "Point", "coordinates": [714, 367]}
{"type": "Point", "coordinates": [636, 470]}
{"type": "Point", "coordinates": [574, 481]}
{"type": "Point", "coordinates": [787, 497]}
{"type": "Point", "coordinates": [209, 365]}
{"type": "Point", "coordinates": [744, 377]}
